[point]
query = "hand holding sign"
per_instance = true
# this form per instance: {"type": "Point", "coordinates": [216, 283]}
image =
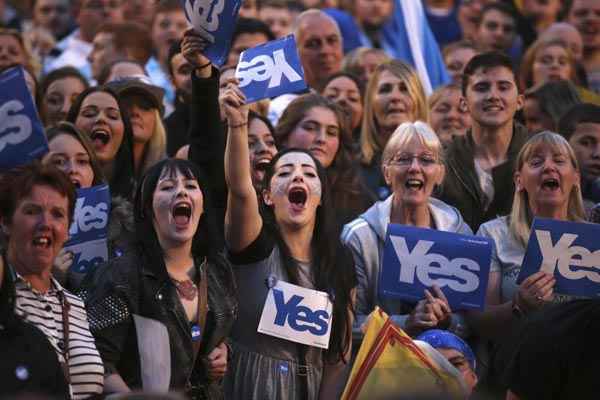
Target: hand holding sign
{"type": "Point", "coordinates": [233, 104]}
{"type": "Point", "coordinates": [192, 48]}
{"type": "Point", "coordinates": [214, 20]}
{"type": "Point", "coordinates": [431, 312]}
{"type": "Point", "coordinates": [535, 291]}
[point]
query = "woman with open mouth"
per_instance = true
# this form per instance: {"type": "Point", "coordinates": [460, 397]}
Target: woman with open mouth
{"type": "Point", "coordinates": [318, 125]}
{"type": "Point", "coordinates": [412, 164]}
{"type": "Point", "coordinates": [292, 242]}
{"type": "Point", "coordinates": [72, 152]}
{"type": "Point", "coordinates": [171, 297]}
{"type": "Point", "coordinates": [394, 96]}
{"type": "Point", "coordinates": [547, 183]}
{"type": "Point", "coordinates": [99, 113]}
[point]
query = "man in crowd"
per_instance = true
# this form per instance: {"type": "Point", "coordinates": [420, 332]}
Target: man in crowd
{"type": "Point", "coordinates": [54, 16]}
{"type": "Point", "coordinates": [585, 16]}
{"type": "Point", "coordinates": [371, 16]}
{"type": "Point", "coordinates": [498, 28]}
{"type": "Point", "coordinates": [120, 41]}
{"type": "Point", "coordinates": [277, 15]}
{"type": "Point", "coordinates": [479, 176]}
{"type": "Point", "coordinates": [248, 33]}
{"type": "Point", "coordinates": [75, 48]}
{"type": "Point", "coordinates": [178, 123]}
{"type": "Point", "coordinates": [581, 127]}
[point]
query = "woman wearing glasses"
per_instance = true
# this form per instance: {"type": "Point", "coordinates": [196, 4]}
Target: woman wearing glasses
{"type": "Point", "coordinates": [412, 165]}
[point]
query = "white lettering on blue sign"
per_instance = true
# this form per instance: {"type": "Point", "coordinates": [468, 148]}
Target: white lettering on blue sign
{"type": "Point", "coordinates": [563, 256]}
{"type": "Point", "coordinates": [204, 14]}
{"type": "Point", "coordinates": [264, 67]}
{"type": "Point", "coordinates": [15, 127]}
{"type": "Point", "coordinates": [89, 217]}
{"type": "Point", "coordinates": [422, 264]}
{"type": "Point", "coordinates": [297, 314]}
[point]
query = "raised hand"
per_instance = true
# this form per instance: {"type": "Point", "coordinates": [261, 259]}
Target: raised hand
{"type": "Point", "coordinates": [192, 48]}
{"type": "Point", "coordinates": [233, 104]}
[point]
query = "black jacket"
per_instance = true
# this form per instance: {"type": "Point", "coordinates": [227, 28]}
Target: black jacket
{"type": "Point", "coordinates": [177, 125]}
{"type": "Point", "coordinates": [28, 363]}
{"type": "Point", "coordinates": [461, 187]}
{"type": "Point", "coordinates": [126, 286]}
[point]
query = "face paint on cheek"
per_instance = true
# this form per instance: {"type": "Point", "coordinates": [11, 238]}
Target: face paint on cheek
{"type": "Point", "coordinates": [278, 187]}
{"type": "Point", "coordinates": [315, 187]}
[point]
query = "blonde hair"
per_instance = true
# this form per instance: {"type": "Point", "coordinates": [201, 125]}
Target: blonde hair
{"type": "Point", "coordinates": [521, 215]}
{"type": "Point", "coordinates": [405, 133]}
{"type": "Point", "coordinates": [526, 69]}
{"type": "Point", "coordinates": [439, 93]}
{"type": "Point", "coordinates": [154, 150]}
{"type": "Point", "coordinates": [370, 144]}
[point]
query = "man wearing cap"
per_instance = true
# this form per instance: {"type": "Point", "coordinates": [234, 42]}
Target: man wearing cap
{"type": "Point", "coordinates": [457, 352]}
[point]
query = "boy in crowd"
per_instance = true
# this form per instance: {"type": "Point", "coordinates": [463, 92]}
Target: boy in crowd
{"type": "Point", "coordinates": [480, 165]}
{"type": "Point", "coordinates": [277, 15]}
{"type": "Point", "coordinates": [498, 27]}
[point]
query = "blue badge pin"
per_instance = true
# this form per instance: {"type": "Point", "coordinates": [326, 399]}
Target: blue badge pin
{"type": "Point", "coordinates": [283, 367]}
{"type": "Point", "coordinates": [271, 281]}
{"type": "Point", "coordinates": [196, 333]}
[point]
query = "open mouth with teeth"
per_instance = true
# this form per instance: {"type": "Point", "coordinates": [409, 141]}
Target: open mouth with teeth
{"type": "Point", "coordinates": [297, 197]}
{"type": "Point", "coordinates": [414, 184]}
{"type": "Point", "coordinates": [261, 164]}
{"type": "Point", "coordinates": [182, 213]}
{"type": "Point", "coordinates": [43, 242]}
{"type": "Point", "coordinates": [550, 184]}
{"type": "Point", "coordinates": [100, 137]}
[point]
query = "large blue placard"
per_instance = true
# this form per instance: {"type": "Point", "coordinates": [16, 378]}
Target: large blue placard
{"type": "Point", "coordinates": [215, 21]}
{"type": "Point", "coordinates": [568, 250]}
{"type": "Point", "coordinates": [88, 232]}
{"type": "Point", "coordinates": [270, 70]}
{"type": "Point", "coordinates": [415, 259]}
{"type": "Point", "coordinates": [22, 138]}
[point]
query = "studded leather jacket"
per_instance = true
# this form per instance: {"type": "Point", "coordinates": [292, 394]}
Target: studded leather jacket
{"type": "Point", "coordinates": [125, 287]}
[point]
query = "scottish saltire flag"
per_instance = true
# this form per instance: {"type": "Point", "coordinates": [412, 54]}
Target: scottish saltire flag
{"type": "Point", "coordinates": [407, 37]}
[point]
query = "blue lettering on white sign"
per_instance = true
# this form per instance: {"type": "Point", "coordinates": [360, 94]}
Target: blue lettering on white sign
{"type": "Point", "coordinates": [568, 250]}
{"type": "Point", "coordinates": [215, 21]}
{"type": "Point", "coordinates": [299, 318]}
{"type": "Point", "coordinates": [22, 136]}
{"type": "Point", "coordinates": [270, 70]}
{"type": "Point", "coordinates": [415, 259]}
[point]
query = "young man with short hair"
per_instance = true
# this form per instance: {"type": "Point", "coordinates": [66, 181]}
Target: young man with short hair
{"type": "Point", "coordinates": [248, 33]}
{"type": "Point", "coordinates": [581, 127]}
{"type": "Point", "coordinates": [498, 27]}
{"type": "Point", "coordinates": [277, 15]}
{"type": "Point", "coordinates": [585, 16]}
{"type": "Point", "coordinates": [480, 165]}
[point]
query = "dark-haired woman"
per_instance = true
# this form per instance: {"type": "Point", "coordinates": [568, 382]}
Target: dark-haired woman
{"type": "Point", "coordinates": [290, 241]}
{"type": "Point", "coordinates": [171, 297]}
{"type": "Point", "coordinates": [59, 89]}
{"type": "Point", "coordinates": [99, 113]}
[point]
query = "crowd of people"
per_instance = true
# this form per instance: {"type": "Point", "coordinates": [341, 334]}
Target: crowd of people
{"type": "Point", "coordinates": [214, 200]}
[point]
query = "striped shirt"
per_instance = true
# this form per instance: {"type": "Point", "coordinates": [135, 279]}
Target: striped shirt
{"type": "Point", "coordinates": [44, 311]}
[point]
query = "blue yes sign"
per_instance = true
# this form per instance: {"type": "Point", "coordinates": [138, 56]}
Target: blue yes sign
{"type": "Point", "coordinates": [215, 21]}
{"type": "Point", "coordinates": [414, 259]}
{"type": "Point", "coordinates": [22, 138]}
{"type": "Point", "coordinates": [88, 232]}
{"type": "Point", "coordinates": [298, 314]}
{"type": "Point", "coordinates": [568, 250]}
{"type": "Point", "coordinates": [270, 70]}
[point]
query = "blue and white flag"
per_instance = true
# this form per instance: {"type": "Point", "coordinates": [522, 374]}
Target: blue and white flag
{"type": "Point", "coordinates": [407, 37]}
{"type": "Point", "coordinates": [88, 232]}
{"type": "Point", "coordinates": [215, 21]}
{"type": "Point", "coordinates": [270, 70]}
{"type": "Point", "coordinates": [414, 259]}
{"type": "Point", "coordinates": [22, 138]}
{"type": "Point", "coordinates": [568, 250]}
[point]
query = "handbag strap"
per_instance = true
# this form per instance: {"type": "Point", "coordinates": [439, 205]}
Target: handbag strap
{"type": "Point", "coordinates": [202, 308]}
{"type": "Point", "coordinates": [65, 306]}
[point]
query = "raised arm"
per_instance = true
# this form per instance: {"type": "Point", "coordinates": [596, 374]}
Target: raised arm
{"type": "Point", "coordinates": [242, 219]}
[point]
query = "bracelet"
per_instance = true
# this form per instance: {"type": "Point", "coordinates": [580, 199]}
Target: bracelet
{"type": "Point", "coordinates": [238, 126]}
{"type": "Point", "coordinates": [203, 66]}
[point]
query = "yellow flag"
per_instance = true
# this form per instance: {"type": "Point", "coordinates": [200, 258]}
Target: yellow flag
{"type": "Point", "coordinates": [390, 365]}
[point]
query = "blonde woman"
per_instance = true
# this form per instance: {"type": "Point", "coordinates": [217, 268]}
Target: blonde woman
{"type": "Point", "coordinates": [448, 115]}
{"type": "Point", "coordinates": [143, 102]}
{"type": "Point", "coordinates": [394, 95]}
{"type": "Point", "coordinates": [547, 184]}
{"type": "Point", "coordinates": [412, 164]}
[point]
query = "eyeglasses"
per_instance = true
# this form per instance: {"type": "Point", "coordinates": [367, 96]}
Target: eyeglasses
{"type": "Point", "coordinates": [405, 160]}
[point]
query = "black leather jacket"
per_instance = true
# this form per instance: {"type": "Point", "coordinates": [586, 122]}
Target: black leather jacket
{"type": "Point", "coordinates": [126, 286]}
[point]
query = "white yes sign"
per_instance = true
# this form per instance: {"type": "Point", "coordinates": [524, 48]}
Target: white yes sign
{"type": "Point", "coordinates": [264, 67]}
{"type": "Point", "coordinates": [204, 14]}
{"type": "Point", "coordinates": [10, 119]}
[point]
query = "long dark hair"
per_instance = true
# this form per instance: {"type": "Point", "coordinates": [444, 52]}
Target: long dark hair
{"type": "Point", "coordinates": [122, 183]}
{"type": "Point", "coordinates": [206, 240]}
{"type": "Point", "coordinates": [333, 268]}
{"type": "Point", "coordinates": [343, 174]}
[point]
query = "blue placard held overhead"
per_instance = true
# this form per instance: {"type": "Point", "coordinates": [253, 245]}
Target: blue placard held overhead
{"type": "Point", "coordinates": [270, 70]}
{"type": "Point", "coordinates": [88, 232]}
{"type": "Point", "coordinates": [22, 138]}
{"type": "Point", "coordinates": [414, 259]}
{"type": "Point", "coordinates": [568, 250]}
{"type": "Point", "coordinates": [215, 21]}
